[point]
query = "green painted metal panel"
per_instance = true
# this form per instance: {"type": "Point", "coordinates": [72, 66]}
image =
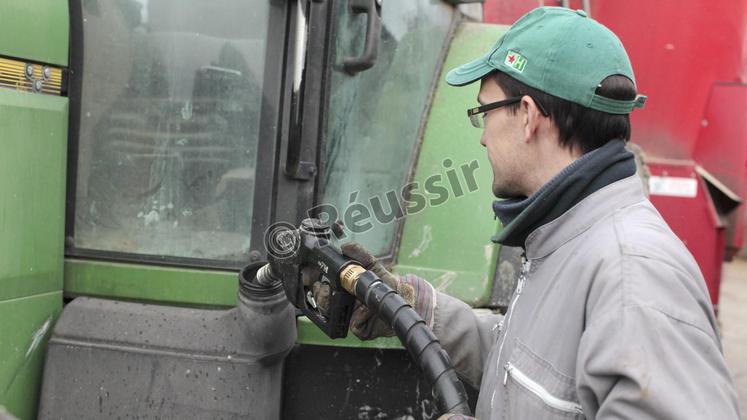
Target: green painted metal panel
{"type": "Point", "coordinates": [32, 187]}
{"type": "Point", "coordinates": [449, 244]}
{"type": "Point", "coordinates": [25, 324]}
{"type": "Point", "coordinates": [36, 30]}
{"type": "Point", "coordinates": [181, 286]}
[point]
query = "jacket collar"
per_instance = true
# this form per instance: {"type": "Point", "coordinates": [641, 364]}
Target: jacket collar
{"type": "Point", "coordinates": [549, 237]}
{"type": "Point", "coordinates": [587, 174]}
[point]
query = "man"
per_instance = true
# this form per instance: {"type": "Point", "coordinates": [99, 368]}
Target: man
{"type": "Point", "coordinates": [610, 317]}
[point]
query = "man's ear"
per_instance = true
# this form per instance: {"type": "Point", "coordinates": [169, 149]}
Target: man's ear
{"type": "Point", "coordinates": [532, 117]}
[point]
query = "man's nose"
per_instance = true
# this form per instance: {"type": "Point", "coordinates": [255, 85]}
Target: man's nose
{"type": "Point", "coordinates": [482, 140]}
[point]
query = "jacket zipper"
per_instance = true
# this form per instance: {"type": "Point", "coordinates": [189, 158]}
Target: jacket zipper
{"type": "Point", "coordinates": [525, 266]}
{"type": "Point", "coordinates": [540, 391]}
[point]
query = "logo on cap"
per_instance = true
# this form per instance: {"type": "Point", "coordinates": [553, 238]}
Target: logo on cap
{"type": "Point", "coordinates": [516, 61]}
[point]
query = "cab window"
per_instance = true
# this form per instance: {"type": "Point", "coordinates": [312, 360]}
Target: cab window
{"type": "Point", "coordinates": [375, 116]}
{"type": "Point", "coordinates": [169, 126]}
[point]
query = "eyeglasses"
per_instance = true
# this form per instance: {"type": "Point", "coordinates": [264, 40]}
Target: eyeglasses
{"type": "Point", "coordinates": [477, 115]}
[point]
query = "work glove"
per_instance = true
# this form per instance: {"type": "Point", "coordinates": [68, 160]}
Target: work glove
{"type": "Point", "coordinates": [364, 323]}
{"type": "Point", "coordinates": [311, 277]}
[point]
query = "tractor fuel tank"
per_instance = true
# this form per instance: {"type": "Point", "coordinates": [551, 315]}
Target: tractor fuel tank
{"type": "Point", "coordinates": [116, 359]}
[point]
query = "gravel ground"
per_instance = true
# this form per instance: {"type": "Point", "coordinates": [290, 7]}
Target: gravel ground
{"type": "Point", "coordinates": [733, 320]}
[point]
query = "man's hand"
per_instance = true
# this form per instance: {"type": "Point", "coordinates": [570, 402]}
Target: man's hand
{"type": "Point", "coordinates": [414, 290]}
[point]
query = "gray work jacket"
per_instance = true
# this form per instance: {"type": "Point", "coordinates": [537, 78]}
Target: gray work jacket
{"type": "Point", "coordinates": [610, 319]}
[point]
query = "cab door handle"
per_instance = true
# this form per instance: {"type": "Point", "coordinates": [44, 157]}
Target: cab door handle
{"type": "Point", "coordinates": [372, 8]}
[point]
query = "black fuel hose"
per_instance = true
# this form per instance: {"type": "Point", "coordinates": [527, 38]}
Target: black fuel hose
{"type": "Point", "coordinates": [419, 340]}
{"type": "Point", "coordinates": [412, 331]}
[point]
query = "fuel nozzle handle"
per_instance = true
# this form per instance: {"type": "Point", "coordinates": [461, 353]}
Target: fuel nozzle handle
{"type": "Point", "coordinates": [290, 252]}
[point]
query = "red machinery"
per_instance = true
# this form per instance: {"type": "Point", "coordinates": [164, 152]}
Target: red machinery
{"type": "Point", "coordinates": [689, 58]}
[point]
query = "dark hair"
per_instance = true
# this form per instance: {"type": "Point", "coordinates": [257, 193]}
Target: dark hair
{"type": "Point", "coordinates": [580, 128]}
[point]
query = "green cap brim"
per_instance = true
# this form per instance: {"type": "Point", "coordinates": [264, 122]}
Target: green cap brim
{"type": "Point", "coordinates": [470, 72]}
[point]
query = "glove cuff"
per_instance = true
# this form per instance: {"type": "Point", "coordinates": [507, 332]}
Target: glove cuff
{"type": "Point", "coordinates": [425, 297]}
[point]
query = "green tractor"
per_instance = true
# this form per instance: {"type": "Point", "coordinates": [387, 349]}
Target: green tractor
{"type": "Point", "coordinates": [149, 146]}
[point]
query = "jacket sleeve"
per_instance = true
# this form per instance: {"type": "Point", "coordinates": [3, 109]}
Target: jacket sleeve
{"type": "Point", "coordinates": [638, 360]}
{"type": "Point", "coordinates": [466, 335]}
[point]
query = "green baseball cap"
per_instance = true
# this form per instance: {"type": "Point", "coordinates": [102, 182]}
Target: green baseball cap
{"type": "Point", "coordinates": [561, 52]}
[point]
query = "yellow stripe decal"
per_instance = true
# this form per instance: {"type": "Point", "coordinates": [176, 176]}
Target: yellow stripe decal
{"type": "Point", "coordinates": [30, 77]}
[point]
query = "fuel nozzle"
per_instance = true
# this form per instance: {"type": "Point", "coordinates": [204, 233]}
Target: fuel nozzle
{"type": "Point", "coordinates": [265, 276]}
{"type": "Point", "coordinates": [282, 242]}
{"type": "Point", "coordinates": [301, 257]}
